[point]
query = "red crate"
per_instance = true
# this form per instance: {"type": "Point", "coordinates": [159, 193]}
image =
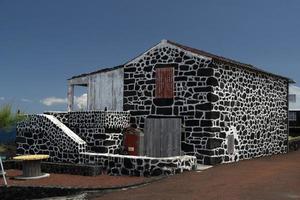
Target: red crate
{"type": "Point", "coordinates": [131, 144]}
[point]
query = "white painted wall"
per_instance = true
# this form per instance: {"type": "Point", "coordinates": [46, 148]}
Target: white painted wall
{"type": "Point", "coordinates": [294, 90]}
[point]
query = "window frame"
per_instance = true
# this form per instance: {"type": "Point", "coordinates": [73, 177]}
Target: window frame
{"type": "Point", "coordinates": [292, 98]}
{"type": "Point", "coordinates": [292, 116]}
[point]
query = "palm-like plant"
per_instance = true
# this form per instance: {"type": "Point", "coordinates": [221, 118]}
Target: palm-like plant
{"type": "Point", "coordinates": [8, 119]}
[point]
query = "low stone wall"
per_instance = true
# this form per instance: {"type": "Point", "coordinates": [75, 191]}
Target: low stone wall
{"type": "Point", "coordinates": [45, 134]}
{"type": "Point", "coordinates": [101, 130]}
{"type": "Point", "coordinates": [140, 165]}
{"type": "Point", "coordinates": [99, 119]}
{"type": "Point", "coordinates": [61, 116]}
{"type": "Point", "coordinates": [99, 141]}
{"type": "Point", "coordinates": [93, 119]}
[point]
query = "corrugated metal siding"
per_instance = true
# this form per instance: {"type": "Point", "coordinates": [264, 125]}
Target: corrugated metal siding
{"type": "Point", "coordinates": [106, 90]}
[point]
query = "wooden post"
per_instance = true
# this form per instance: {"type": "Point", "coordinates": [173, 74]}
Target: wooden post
{"type": "Point", "coordinates": [70, 97]}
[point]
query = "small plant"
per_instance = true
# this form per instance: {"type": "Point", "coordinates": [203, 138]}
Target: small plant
{"type": "Point", "coordinates": [8, 119]}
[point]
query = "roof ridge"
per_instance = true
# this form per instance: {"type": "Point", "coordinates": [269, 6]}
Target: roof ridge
{"type": "Point", "coordinates": [224, 59]}
{"type": "Point", "coordinates": [199, 51]}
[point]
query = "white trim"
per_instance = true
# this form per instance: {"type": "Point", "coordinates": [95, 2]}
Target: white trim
{"type": "Point", "coordinates": [185, 157]}
{"type": "Point", "coordinates": [162, 44]}
{"type": "Point", "coordinates": [64, 128]}
{"type": "Point", "coordinates": [163, 41]}
{"type": "Point", "coordinates": [55, 111]}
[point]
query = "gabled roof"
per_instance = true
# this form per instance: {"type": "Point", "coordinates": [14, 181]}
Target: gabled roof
{"type": "Point", "coordinates": [197, 52]}
{"type": "Point", "coordinates": [225, 60]}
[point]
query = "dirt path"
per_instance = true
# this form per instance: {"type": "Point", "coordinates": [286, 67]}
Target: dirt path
{"type": "Point", "coordinates": [66, 180]}
{"type": "Point", "coordinates": [274, 177]}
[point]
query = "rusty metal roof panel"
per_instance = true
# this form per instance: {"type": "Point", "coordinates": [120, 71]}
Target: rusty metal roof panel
{"type": "Point", "coordinates": [98, 71]}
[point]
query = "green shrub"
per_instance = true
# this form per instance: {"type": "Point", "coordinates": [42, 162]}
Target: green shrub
{"type": "Point", "coordinates": [8, 119]}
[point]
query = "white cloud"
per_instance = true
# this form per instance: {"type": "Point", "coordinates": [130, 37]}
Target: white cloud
{"type": "Point", "coordinates": [50, 101]}
{"type": "Point", "coordinates": [26, 100]}
{"type": "Point", "coordinates": [2, 98]}
{"type": "Point", "coordinates": [79, 101]}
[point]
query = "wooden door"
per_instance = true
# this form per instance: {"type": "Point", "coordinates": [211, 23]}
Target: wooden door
{"type": "Point", "coordinates": [162, 137]}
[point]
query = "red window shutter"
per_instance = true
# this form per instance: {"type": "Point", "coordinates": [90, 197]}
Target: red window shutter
{"type": "Point", "coordinates": [164, 84]}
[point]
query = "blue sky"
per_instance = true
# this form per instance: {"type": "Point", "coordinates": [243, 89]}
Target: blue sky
{"type": "Point", "coordinates": [43, 43]}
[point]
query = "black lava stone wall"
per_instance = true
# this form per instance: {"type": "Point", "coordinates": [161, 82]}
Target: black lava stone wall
{"type": "Point", "coordinates": [45, 134]}
{"type": "Point", "coordinates": [193, 95]}
{"type": "Point", "coordinates": [214, 100]}
{"type": "Point", "coordinates": [101, 130]}
{"type": "Point", "coordinates": [139, 165]}
{"type": "Point", "coordinates": [39, 135]}
{"type": "Point", "coordinates": [63, 117]}
{"type": "Point", "coordinates": [254, 108]}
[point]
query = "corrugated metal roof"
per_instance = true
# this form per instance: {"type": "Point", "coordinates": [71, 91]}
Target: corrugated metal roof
{"type": "Point", "coordinates": [98, 71]}
{"type": "Point", "coordinates": [225, 60]}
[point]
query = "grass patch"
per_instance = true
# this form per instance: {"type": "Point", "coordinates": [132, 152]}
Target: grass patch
{"type": "Point", "coordinates": [8, 150]}
{"type": "Point", "coordinates": [291, 138]}
{"type": "Point", "coordinates": [2, 148]}
{"type": "Point", "coordinates": [8, 119]}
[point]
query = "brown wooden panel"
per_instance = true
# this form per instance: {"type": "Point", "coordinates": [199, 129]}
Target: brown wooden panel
{"type": "Point", "coordinates": [164, 82]}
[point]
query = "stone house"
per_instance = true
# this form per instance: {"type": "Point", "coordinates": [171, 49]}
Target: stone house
{"type": "Point", "coordinates": [294, 110]}
{"type": "Point", "coordinates": [230, 110]}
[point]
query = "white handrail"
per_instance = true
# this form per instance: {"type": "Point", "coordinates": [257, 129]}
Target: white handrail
{"type": "Point", "coordinates": [3, 172]}
{"type": "Point", "coordinates": [64, 128]}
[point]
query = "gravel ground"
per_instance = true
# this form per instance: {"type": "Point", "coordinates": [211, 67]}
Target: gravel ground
{"type": "Point", "coordinates": [269, 178]}
{"type": "Point", "coordinates": [275, 177]}
{"type": "Point", "coordinates": [66, 180]}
